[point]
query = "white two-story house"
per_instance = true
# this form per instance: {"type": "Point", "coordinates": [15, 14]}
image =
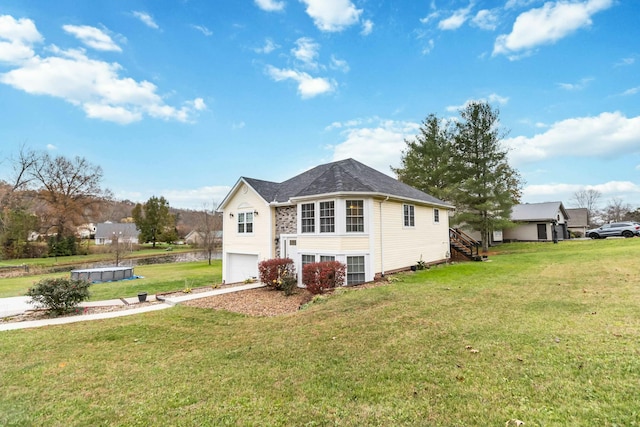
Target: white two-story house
{"type": "Point", "coordinates": [343, 211]}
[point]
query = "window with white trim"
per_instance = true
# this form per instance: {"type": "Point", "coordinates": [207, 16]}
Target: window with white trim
{"type": "Point", "coordinates": [355, 270]}
{"type": "Point", "coordinates": [308, 218]}
{"type": "Point", "coordinates": [327, 217]}
{"type": "Point", "coordinates": [355, 216]}
{"type": "Point", "coordinates": [436, 215]}
{"type": "Point", "coordinates": [327, 258]}
{"type": "Point", "coordinates": [409, 215]}
{"type": "Point", "coordinates": [245, 222]}
{"type": "Point", "coordinates": [308, 259]}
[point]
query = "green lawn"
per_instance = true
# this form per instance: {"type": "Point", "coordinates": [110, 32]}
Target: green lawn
{"type": "Point", "coordinates": [543, 333]}
{"type": "Point", "coordinates": [154, 278]}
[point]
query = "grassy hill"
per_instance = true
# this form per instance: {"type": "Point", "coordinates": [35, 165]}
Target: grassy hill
{"type": "Point", "coordinates": [542, 333]}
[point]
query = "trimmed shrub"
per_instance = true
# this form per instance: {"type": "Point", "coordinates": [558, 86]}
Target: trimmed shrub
{"type": "Point", "coordinates": [278, 273]}
{"type": "Point", "coordinates": [59, 295]}
{"type": "Point", "coordinates": [320, 276]}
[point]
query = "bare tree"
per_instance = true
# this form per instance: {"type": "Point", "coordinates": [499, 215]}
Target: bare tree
{"type": "Point", "coordinates": [616, 210]}
{"type": "Point", "coordinates": [210, 224]}
{"type": "Point", "coordinates": [588, 199]}
{"type": "Point", "coordinates": [70, 189]}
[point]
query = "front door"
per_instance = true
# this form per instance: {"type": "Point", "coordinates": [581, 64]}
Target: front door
{"type": "Point", "coordinates": [290, 250]}
{"type": "Point", "coordinates": [542, 231]}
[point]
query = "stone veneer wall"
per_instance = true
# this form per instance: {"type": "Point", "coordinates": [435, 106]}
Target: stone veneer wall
{"type": "Point", "coordinates": [286, 223]}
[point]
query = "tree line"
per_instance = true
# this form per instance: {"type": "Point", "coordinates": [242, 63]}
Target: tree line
{"type": "Point", "coordinates": [53, 195]}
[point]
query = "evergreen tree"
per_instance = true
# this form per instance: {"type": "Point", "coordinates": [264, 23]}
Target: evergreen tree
{"type": "Point", "coordinates": [465, 165]}
{"type": "Point", "coordinates": [486, 186]}
{"type": "Point", "coordinates": [426, 162]}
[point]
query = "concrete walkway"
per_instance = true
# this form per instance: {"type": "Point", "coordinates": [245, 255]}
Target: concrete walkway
{"type": "Point", "coordinates": [18, 305]}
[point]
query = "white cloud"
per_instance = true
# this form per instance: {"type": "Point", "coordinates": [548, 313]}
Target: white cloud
{"type": "Point", "coordinates": [428, 47]}
{"type": "Point", "coordinates": [378, 145]}
{"type": "Point", "coordinates": [17, 37]}
{"type": "Point", "coordinates": [306, 51]}
{"type": "Point", "coordinates": [547, 25]}
{"type": "Point", "coordinates": [198, 104]}
{"type": "Point", "coordinates": [576, 86]}
{"type": "Point", "coordinates": [486, 20]}
{"type": "Point", "coordinates": [308, 86]}
{"type": "Point", "coordinates": [95, 86]}
{"type": "Point", "coordinates": [146, 19]}
{"type": "Point", "coordinates": [339, 64]}
{"type": "Point", "coordinates": [268, 47]}
{"type": "Point", "coordinates": [195, 199]}
{"type": "Point", "coordinates": [270, 5]}
{"type": "Point", "coordinates": [367, 27]}
{"type": "Point", "coordinates": [51, 147]}
{"type": "Point", "coordinates": [92, 37]}
{"type": "Point", "coordinates": [606, 135]}
{"type": "Point", "coordinates": [204, 30]}
{"type": "Point", "coordinates": [332, 15]}
{"type": "Point", "coordinates": [456, 20]}
{"type": "Point", "coordinates": [625, 61]}
{"type": "Point", "coordinates": [632, 91]}
{"type": "Point", "coordinates": [493, 98]}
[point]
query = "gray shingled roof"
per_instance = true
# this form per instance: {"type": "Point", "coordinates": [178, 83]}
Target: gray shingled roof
{"type": "Point", "coordinates": [547, 211]}
{"type": "Point", "coordinates": [579, 217]}
{"type": "Point", "coordinates": [343, 176]}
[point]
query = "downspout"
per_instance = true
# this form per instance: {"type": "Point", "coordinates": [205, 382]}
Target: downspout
{"type": "Point", "coordinates": [381, 239]}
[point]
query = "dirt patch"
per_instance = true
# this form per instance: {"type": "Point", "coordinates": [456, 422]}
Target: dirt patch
{"type": "Point", "coordinates": [255, 302]}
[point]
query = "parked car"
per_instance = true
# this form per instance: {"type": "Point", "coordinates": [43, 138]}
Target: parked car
{"type": "Point", "coordinates": [615, 229]}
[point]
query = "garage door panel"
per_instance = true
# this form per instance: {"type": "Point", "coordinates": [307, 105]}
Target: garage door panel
{"type": "Point", "coordinates": [241, 267]}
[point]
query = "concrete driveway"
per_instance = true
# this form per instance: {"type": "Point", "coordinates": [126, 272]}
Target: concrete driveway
{"type": "Point", "coordinates": [14, 305]}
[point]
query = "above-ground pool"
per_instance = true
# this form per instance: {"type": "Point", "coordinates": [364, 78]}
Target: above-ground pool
{"type": "Point", "coordinates": [103, 274]}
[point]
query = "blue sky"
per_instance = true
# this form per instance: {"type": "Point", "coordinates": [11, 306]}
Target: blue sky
{"type": "Point", "coordinates": [181, 98]}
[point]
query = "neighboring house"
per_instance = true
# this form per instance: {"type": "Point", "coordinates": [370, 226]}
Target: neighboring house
{"type": "Point", "coordinates": [538, 222]}
{"type": "Point", "coordinates": [343, 211]}
{"type": "Point", "coordinates": [196, 238]}
{"type": "Point", "coordinates": [85, 231]}
{"type": "Point", "coordinates": [108, 232]}
{"type": "Point", "coordinates": [578, 220]}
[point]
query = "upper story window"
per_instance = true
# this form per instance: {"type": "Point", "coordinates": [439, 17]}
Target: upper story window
{"type": "Point", "coordinates": [355, 216]}
{"type": "Point", "coordinates": [409, 215]}
{"type": "Point", "coordinates": [245, 222]}
{"type": "Point", "coordinates": [436, 215]}
{"type": "Point", "coordinates": [308, 218]}
{"type": "Point", "coordinates": [327, 217]}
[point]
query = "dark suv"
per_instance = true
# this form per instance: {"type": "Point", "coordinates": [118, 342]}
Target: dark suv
{"type": "Point", "coordinates": [615, 229]}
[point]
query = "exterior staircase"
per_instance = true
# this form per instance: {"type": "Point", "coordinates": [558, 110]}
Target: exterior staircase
{"type": "Point", "coordinates": [463, 245]}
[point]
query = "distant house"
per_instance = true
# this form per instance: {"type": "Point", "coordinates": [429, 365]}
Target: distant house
{"type": "Point", "coordinates": [110, 232]}
{"type": "Point", "coordinates": [85, 231]}
{"type": "Point", "coordinates": [343, 211]}
{"type": "Point", "coordinates": [578, 220]}
{"type": "Point", "coordinates": [538, 222]}
{"type": "Point", "coordinates": [197, 238]}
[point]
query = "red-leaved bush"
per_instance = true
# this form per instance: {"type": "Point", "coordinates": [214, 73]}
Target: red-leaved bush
{"type": "Point", "coordinates": [273, 271]}
{"type": "Point", "coordinates": [320, 276]}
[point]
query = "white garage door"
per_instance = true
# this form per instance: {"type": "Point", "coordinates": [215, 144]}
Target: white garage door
{"type": "Point", "coordinates": [241, 267]}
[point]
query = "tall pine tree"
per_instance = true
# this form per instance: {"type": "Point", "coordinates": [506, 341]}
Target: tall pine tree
{"type": "Point", "coordinates": [464, 164]}
{"type": "Point", "coordinates": [426, 162]}
{"type": "Point", "coordinates": [486, 185]}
